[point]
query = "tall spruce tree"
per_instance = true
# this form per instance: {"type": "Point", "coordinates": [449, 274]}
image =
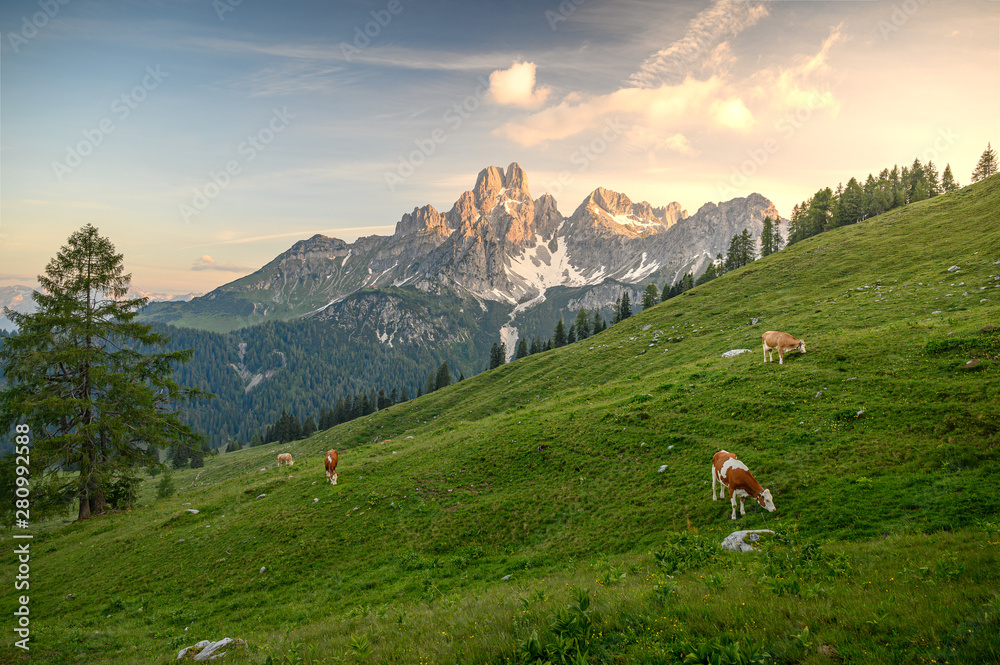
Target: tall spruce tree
{"type": "Point", "coordinates": [522, 348]}
{"type": "Point", "coordinates": [84, 376]}
{"type": "Point", "coordinates": [443, 377]}
{"type": "Point", "coordinates": [650, 296]}
{"type": "Point", "coordinates": [582, 324]}
{"type": "Point", "coordinates": [948, 182]}
{"type": "Point", "coordinates": [626, 307]}
{"type": "Point", "coordinates": [987, 164]}
{"type": "Point", "coordinates": [559, 335]}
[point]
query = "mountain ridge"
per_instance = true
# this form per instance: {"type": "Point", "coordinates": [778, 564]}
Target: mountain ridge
{"type": "Point", "coordinates": [496, 243]}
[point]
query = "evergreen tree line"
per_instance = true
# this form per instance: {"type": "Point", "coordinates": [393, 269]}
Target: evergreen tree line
{"type": "Point", "coordinates": [288, 428]}
{"type": "Point", "coordinates": [892, 188]}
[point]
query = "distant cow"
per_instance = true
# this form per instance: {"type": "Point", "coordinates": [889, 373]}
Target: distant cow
{"type": "Point", "coordinates": [740, 481]}
{"type": "Point", "coordinates": [285, 458]}
{"type": "Point", "coordinates": [331, 466]}
{"type": "Point", "coordinates": [783, 342]}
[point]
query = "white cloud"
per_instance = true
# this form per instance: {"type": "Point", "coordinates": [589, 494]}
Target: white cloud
{"type": "Point", "coordinates": [516, 86]}
{"type": "Point", "coordinates": [672, 115]}
{"type": "Point", "coordinates": [206, 262]}
{"type": "Point", "coordinates": [725, 18]}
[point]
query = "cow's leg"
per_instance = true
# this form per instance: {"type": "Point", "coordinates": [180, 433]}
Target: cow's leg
{"type": "Point", "coordinates": [732, 500]}
{"type": "Point", "coordinates": [781, 357]}
{"type": "Point", "coordinates": [743, 511]}
{"type": "Point", "coordinates": [713, 482]}
{"type": "Point", "coordinates": [766, 358]}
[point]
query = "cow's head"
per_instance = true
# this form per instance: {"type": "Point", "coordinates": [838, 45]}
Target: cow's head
{"type": "Point", "coordinates": [802, 346]}
{"type": "Point", "coordinates": [334, 476]}
{"type": "Point", "coordinates": [765, 501]}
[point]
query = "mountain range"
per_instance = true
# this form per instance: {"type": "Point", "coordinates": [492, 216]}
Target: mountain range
{"type": "Point", "coordinates": [497, 250]}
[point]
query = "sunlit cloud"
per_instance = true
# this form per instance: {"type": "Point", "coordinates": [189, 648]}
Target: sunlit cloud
{"type": "Point", "coordinates": [206, 262]}
{"type": "Point", "coordinates": [516, 86]}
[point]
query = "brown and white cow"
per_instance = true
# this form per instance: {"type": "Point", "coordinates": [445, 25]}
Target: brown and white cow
{"type": "Point", "coordinates": [740, 481]}
{"type": "Point", "coordinates": [285, 458]}
{"type": "Point", "coordinates": [783, 342]}
{"type": "Point", "coordinates": [718, 459]}
{"type": "Point", "coordinates": [331, 466]}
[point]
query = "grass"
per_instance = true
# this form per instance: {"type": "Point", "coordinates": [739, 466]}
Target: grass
{"type": "Point", "coordinates": [879, 445]}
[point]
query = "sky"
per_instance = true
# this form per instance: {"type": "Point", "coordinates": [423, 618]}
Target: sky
{"type": "Point", "coordinates": [205, 137]}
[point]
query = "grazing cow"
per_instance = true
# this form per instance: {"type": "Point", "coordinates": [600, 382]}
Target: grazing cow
{"type": "Point", "coordinates": [783, 342]}
{"type": "Point", "coordinates": [741, 484]}
{"type": "Point", "coordinates": [718, 459]}
{"type": "Point", "coordinates": [285, 458]}
{"type": "Point", "coordinates": [331, 466]}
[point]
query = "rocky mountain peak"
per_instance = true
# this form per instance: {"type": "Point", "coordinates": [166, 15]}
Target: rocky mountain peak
{"type": "Point", "coordinates": [612, 202]}
{"type": "Point", "coordinates": [421, 220]}
{"type": "Point", "coordinates": [516, 180]}
{"type": "Point", "coordinates": [488, 185]}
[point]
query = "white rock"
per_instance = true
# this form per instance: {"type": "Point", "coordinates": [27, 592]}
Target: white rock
{"type": "Point", "coordinates": [735, 352]}
{"type": "Point", "coordinates": [262, 569]}
{"type": "Point", "coordinates": [662, 469]}
{"type": "Point", "coordinates": [736, 541]}
{"type": "Point", "coordinates": [953, 269]}
{"type": "Point", "coordinates": [261, 496]}
{"type": "Point", "coordinates": [315, 500]}
{"type": "Point", "coordinates": [200, 645]}
{"type": "Point", "coordinates": [193, 511]}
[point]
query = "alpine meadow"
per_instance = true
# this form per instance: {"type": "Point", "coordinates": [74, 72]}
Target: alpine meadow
{"type": "Point", "coordinates": [558, 508]}
{"type": "Point", "coordinates": [535, 332]}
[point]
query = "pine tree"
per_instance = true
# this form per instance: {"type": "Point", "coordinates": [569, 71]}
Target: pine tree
{"type": "Point", "coordinates": [571, 335]}
{"type": "Point", "coordinates": [308, 427]}
{"type": "Point", "coordinates": [598, 324]}
{"type": "Point", "coordinates": [650, 296]}
{"type": "Point", "coordinates": [616, 315]}
{"type": "Point", "coordinates": [987, 164]}
{"type": "Point", "coordinates": [948, 182]}
{"type": "Point", "coordinates": [626, 307]}
{"type": "Point", "coordinates": [97, 406]}
{"type": "Point", "coordinates": [766, 237]}
{"type": "Point", "coordinates": [522, 348]}
{"type": "Point", "coordinates": [443, 377]}
{"type": "Point", "coordinates": [582, 324]}
{"type": "Point", "coordinates": [431, 384]}
{"type": "Point", "coordinates": [559, 336]}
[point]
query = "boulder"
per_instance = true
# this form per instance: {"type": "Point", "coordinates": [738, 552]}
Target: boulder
{"type": "Point", "coordinates": [209, 650]}
{"type": "Point", "coordinates": [743, 541]}
{"type": "Point", "coordinates": [735, 352]}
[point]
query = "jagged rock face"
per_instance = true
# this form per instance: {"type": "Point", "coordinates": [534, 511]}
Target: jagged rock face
{"type": "Point", "coordinates": [392, 320]}
{"type": "Point", "coordinates": [422, 220]}
{"type": "Point", "coordinates": [498, 244]}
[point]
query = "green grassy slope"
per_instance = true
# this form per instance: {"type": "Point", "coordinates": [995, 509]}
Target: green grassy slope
{"type": "Point", "coordinates": [547, 470]}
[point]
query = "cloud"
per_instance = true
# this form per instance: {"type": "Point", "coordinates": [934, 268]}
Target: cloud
{"type": "Point", "coordinates": [664, 113]}
{"type": "Point", "coordinates": [516, 86]}
{"type": "Point", "coordinates": [206, 262]}
{"type": "Point", "coordinates": [725, 18]}
{"type": "Point", "coordinates": [695, 104]}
